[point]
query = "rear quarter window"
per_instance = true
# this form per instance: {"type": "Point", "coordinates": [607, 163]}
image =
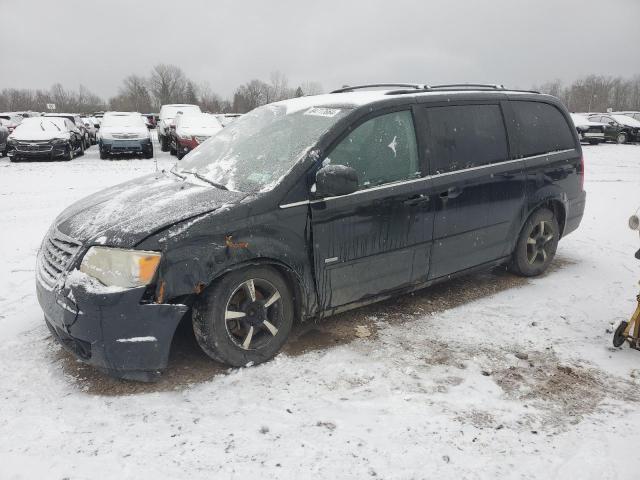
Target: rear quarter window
{"type": "Point", "coordinates": [464, 136]}
{"type": "Point", "coordinates": [541, 128]}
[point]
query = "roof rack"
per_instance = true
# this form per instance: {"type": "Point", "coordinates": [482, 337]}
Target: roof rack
{"type": "Point", "coordinates": [406, 88]}
{"type": "Point", "coordinates": [347, 88]}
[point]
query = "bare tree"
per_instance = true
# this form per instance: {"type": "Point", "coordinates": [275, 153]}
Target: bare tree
{"type": "Point", "coordinates": [311, 88]}
{"type": "Point", "coordinates": [167, 83]}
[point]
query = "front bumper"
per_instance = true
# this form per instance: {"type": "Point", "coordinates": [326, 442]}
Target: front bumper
{"type": "Point", "coordinates": [53, 152]}
{"type": "Point", "coordinates": [114, 332]}
{"type": "Point", "coordinates": [117, 146]}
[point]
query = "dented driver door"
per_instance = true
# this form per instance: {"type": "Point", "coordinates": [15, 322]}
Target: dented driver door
{"type": "Point", "coordinates": [378, 238]}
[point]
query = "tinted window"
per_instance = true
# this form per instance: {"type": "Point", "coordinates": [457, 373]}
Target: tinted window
{"type": "Point", "coordinates": [595, 119]}
{"type": "Point", "coordinates": [541, 128]}
{"type": "Point", "coordinates": [464, 136]}
{"type": "Point", "coordinates": [381, 150]}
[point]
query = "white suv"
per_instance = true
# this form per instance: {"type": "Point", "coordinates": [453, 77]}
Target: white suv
{"type": "Point", "coordinates": [167, 116]}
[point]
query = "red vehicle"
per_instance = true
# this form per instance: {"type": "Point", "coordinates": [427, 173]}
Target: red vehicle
{"type": "Point", "coordinates": [190, 131]}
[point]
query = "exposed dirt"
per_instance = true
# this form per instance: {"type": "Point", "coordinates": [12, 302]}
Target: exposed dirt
{"type": "Point", "coordinates": [188, 365]}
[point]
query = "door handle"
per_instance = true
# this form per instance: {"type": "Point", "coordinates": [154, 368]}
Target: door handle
{"type": "Point", "coordinates": [451, 192]}
{"type": "Point", "coordinates": [416, 200]}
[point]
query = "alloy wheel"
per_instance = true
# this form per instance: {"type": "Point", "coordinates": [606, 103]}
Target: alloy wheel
{"type": "Point", "coordinates": [538, 243]}
{"type": "Point", "coordinates": [253, 314]}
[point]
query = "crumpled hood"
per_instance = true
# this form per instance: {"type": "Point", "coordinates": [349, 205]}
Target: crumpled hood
{"type": "Point", "coordinates": [124, 215]}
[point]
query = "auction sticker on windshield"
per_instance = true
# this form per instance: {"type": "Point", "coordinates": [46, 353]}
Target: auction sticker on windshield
{"type": "Point", "coordinates": [322, 112]}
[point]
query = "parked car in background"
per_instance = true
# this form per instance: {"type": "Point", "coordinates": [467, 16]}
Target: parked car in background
{"type": "Point", "coordinates": [4, 139]}
{"type": "Point", "coordinates": [634, 115]}
{"type": "Point", "coordinates": [45, 138]}
{"type": "Point", "coordinates": [150, 119]}
{"type": "Point", "coordinates": [124, 133]}
{"type": "Point", "coordinates": [308, 207]}
{"type": "Point", "coordinates": [167, 116]}
{"type": "Point", "coordinates": [75, 118]}
{"type": "Point", "coordinates": [619, 128]}
{"type": "Point", "coordinates": [589, 131]}
{"type": "Point", "coordinates": [12, 120]}
{"type": "Point", "coordinates": [226, 118]}
{"type": "Point", "coordinates": [191, 130]}
{"type": "Point", "coordinates": [90, 124]}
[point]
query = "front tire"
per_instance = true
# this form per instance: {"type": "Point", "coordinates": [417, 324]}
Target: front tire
{"type": "Point", "coordinates": [173, 150]}
{"type": "Point", "coordinates": [618, 336]}
{"type": "Point", "coordinates": [621, 138]}
{"type": "Point", "coordinates": [537, 244]}
{"type": "Point", "coordinates": [245, 317]}
{"type": "Point", "coordinates": [68, 154]}
{"type": "Point", "coordinates": [164, 143]}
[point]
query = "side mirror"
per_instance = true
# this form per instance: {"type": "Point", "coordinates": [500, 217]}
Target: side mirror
{"type": "Point", "coordinates": [334, 180]}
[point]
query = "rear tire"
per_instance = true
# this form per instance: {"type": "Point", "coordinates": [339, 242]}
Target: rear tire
{"type": "Point", "coordinates": [232, 328]}
{"type": "Point", "coordinates": [537, 244]}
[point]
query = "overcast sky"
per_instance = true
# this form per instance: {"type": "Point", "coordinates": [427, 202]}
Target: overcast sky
{"type": "Point", "coordinates": [516, 42]}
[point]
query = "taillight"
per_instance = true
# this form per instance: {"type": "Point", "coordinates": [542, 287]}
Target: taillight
{"type": "Point", "coordinates": [582, 172]}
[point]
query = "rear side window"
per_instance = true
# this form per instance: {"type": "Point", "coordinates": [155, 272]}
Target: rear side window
{"type": "Point", "coordinates": [381, 150]}
{"type": "Point", "coordinates": [541, 128]}
{"type": "Point", "coordinates": [465, 136]}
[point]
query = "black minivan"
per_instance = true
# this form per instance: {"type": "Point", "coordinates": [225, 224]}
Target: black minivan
{"type": "Point", "coordinates": [307, 207]}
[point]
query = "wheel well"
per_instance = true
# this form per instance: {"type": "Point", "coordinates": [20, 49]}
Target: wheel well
{"type": "Point", "coordinates": [293, 282]}
{"type": "Point", "coordinates": [559, 211]}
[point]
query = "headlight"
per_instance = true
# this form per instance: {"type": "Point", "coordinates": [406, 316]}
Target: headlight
{"type": "Point", "coordinates": [58, 141]}
{"type": "Point", "coordinates": [121, 268]}
{"type": "Point", "coordinates": [106, 136]}
{"type": "Point", "coordinates": [185, 136]}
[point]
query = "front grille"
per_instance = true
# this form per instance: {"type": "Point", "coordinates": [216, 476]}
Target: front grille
{"type": "Point", "coordinates": [33, 147]}
{"type": "Point", "coordinates": [125, 136]}
{"type": "Point", "coordinates": [56, 255]}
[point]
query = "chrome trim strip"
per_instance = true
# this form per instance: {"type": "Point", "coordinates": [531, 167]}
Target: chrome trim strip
{"type": "Point", "coordinates": [407, 182]}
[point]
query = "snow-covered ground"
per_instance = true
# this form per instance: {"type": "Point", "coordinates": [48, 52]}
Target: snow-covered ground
{"type": "Point", "coordinates": [491, 376]}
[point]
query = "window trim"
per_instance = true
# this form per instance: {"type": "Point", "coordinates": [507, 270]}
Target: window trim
{"type": "Point", "coordinates": [513, 131]}
{"type": "Point", "coordinates": [410, 107]}
{"type": "Point", "coordinates": [427, 177]}
{"type": "Point", "coordinates": [463, 103]}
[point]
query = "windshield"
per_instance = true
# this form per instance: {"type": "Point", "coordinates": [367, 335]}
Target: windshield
{"type": "Point", "coordinates": [123, 121]}
{"type": "Point", "coordinates": [35, 124]}
{"type": "Point", "coordinates": [258, 149]}
{"type": "Point", "coordinates": [195, 121]}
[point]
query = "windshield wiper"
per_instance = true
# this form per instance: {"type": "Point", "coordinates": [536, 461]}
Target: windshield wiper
{"type": "Point", "coordinates": [176, 173]}
{"type": "Point", "coordinates": [205, 179]}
